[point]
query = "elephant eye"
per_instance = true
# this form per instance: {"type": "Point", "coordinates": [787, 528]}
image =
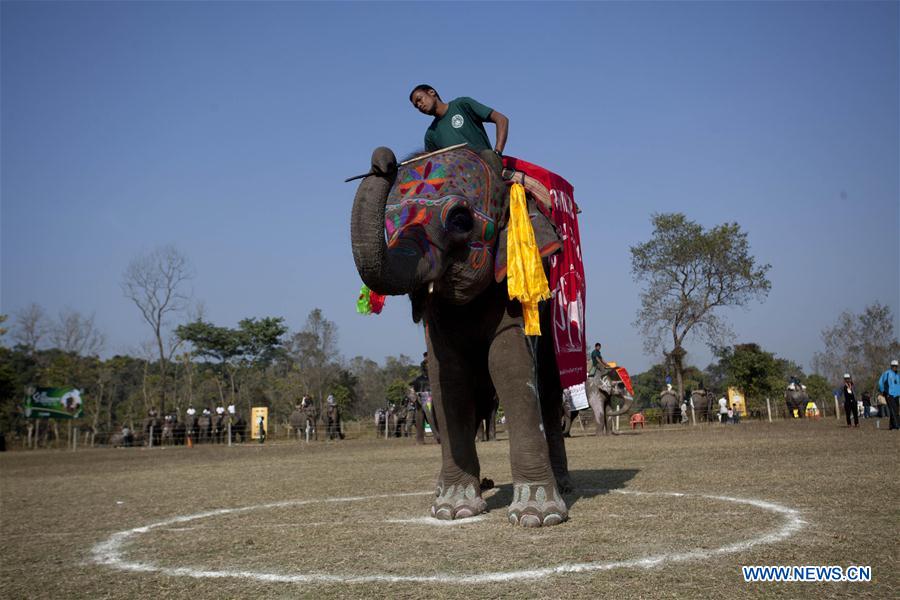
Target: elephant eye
{"type": "Point", "coordinates": [459, 220]}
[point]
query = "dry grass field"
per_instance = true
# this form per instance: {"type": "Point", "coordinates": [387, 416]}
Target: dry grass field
{"type": "Point", "coordinates": [345, 519]}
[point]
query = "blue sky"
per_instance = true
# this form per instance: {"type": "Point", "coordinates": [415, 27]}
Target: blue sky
{"type": "Point", "coordinates": [227, 129]}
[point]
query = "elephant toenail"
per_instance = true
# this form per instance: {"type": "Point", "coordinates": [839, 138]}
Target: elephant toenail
{"type": "Point", "coordinates": [530, 521]}
{"type": "Point", "coordinates": [464, 513]}
{"type": "Point", "coordinates": [553, 519]}
{"type": "Point", "coordinates": [513, 518]}
{"type": "Point", "coordinates": [443, 514]}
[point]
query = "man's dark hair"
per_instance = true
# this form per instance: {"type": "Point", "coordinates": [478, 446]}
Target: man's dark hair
{"type": "Point", "coordinates": [425, 88]}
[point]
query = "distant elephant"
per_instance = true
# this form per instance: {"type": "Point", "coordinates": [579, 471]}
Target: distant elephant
{"type": "Point", "coordinates": [419, 395]}
{"type": "Point", "coordinates": [435, 229]}
{"type": "Point", "coordinates": [192, 427]}
{"type": "Point", "coordinates": [487, 423]}
{"type": "Point", "coordinates": [600, 394]}
{"type": "Point", "coordinates": [204, 427]}
{"type": "Point", "coordinates": [152, 424]}
{"type": "Point", "coordinates": [238, 428]}
{"type": "Point", "coordinates": [796, 399]}
{"type": "Point", "coordinates": [701, 401]}
{"type": "Point", "coordinates": [173, 431]}
{"type": "Point", "coordinates": [303, 420]}
{"type": "Point", "coordinates": [668, 400]}
{"type": "Point", "coordinates": [218, 427]}
{"type": "Point", "coordinates": [333, 422]}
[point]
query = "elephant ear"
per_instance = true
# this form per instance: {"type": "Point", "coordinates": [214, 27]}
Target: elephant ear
{"type": "Point", "coordinates": [545, 236]}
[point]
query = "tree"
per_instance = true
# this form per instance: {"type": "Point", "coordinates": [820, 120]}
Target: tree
{"type": "Point", "coordinates": [76, 334]}
{"type": "Point", "coordinates": [155, 283]}
{"type": "Point", "coordinates": [315, 354]}
{"type": "Point", "coordinates": [757, 373]}
{"type": "Point", "coordinates": [690, 273]}
{"type": "Point", "coordinates": [31, 326]}
{"type": "Point", "coordinates": [749, 368]}
{"type": "Point", "coordinates": [860, 344]}
{"type": "Point", "coordinates": [255, 343]}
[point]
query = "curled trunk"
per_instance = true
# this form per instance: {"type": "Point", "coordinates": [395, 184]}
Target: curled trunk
{"type": "Point", "coordinates": [385, 270]}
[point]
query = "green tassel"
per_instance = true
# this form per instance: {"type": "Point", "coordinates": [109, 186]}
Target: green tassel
{"type": "Point", "coordinates": [363, 306]}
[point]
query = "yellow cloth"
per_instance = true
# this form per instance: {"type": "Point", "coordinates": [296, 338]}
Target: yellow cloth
{"type": "Point", "coordinates": [525, 273]}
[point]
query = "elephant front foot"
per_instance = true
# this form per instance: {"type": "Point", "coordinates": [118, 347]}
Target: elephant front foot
{"type": "Point", "coordinates": [537, 505]}
{"type": "Point", "coordinates": [459, 501]}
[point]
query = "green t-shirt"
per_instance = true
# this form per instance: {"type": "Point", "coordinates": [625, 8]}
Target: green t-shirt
{"type": "Point", "coordinates": [462, 123]}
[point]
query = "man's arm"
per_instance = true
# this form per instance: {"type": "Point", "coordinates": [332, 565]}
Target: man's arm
{"type": "Point", "coordinates": [502, 123]}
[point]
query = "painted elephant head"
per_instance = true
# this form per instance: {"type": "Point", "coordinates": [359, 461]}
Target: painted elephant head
{"type": "Point", "coordinates": [434, 225]}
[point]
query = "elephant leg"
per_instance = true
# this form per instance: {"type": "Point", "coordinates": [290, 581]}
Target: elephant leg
{"type": "Point", "coordinates": [420, 425]}
{"type": "Point", "coordinates": [550, 393]}
{"type": "Point", "coordinates": [536, 500]}
{"type": "Point", "coordinates": [458, 490]}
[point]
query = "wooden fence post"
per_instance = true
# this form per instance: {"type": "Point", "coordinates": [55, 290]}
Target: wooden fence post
{"type": "Point", "coordinates": [769, 409]}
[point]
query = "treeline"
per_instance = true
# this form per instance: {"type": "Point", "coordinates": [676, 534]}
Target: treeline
{"type": "Point", "coordinates": [757, 373]}
{"type": "Point", "coordinates": [257, 363]}
{"type": "Point", "coordinates": [861, 345]}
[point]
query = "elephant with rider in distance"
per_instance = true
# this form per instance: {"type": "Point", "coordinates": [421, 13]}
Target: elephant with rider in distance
{"type": "Point", "coordinates": [435, 229]}
{"type": "Point", "coordinates": [796, 401]}
{"type": "Point", "coordinates": [602, 390]}
{"type": "Point", "coordinates": [668, 401]}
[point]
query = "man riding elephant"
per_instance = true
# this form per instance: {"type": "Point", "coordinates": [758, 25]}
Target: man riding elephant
{"type": "Point", "coordinates": [668, 400]}
{"type": "Point", "coordinates": [796, 398]}
{"type": "Point", "coordinates": [447, 226]}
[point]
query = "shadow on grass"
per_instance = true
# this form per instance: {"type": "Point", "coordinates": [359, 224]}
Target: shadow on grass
{"type": "Point", "coordinates": [588, 484]}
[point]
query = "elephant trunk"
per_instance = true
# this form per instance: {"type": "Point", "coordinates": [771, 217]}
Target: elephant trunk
{"type": "Point", "coordinates": [627, 401]}
{"type": "Point", "coordinates": [385, 270]}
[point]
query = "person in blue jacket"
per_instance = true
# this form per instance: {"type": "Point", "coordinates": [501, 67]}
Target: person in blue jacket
{"type": "Point", "coordinates": [889, 385]}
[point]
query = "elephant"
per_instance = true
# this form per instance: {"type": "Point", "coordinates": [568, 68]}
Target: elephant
{"type": "Point", "coordinates": [152, 424]}
{"type": "Point", "coordinates": [435, 228]}
{"type": "Point", "coordinates": [600, 392]}
{"type": "Point", "coordinates": [303, 419]}
{"type": "Point", "coordinates": [173, 431]}
{"type": "Point", "coordinates": [796, 399]}
{"type": "Point", "coordinates": [204, 427]}
{"type": "Point", "coordinates": [219, 427]}
{"type": "Point", "coordinates": [333, 422]}
{"type": "Point", "coordinates": [238, 427]}
{"type": "Point", "coordinates": [701, 401]}
{"type": "Point", "coordinates": [419, 396]}
{"type": "Point", "coordinates": [192, 427]}
{"type": "Point", "coordinates": [668, 400]}
{"type": "Point", "coordinates": [487, 423]}
{"type": "Point", "coordinates": [390, 421]}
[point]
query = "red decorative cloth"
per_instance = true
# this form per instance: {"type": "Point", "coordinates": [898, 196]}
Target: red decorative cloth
{"type": "Point", "coordinates": [566, 275]}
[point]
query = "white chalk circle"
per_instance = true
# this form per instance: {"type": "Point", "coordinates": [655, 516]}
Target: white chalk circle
{"type": "Point", "coordinates": [111, 552]}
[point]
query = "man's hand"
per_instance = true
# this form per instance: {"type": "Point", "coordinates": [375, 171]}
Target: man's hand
{"type": "Point", "coordinates": [502, 123]}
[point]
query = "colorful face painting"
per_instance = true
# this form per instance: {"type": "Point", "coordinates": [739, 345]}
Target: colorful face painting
{"type": "Point", "coordinates": [425, 193]}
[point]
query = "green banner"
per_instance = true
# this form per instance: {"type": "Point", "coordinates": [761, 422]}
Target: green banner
{"type": "Point", "coordinates": [53, 403]}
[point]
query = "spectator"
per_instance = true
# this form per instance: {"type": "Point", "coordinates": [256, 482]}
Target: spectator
{"type": "Point", "coordinates": [850, 408]}
{"type": "Point", "coordinates": [723, 409]}
{"type": "Point", "coordinates": [735, 414]}
{"type": "Point", "coordinates": [889, 385]}
{"type": "Point", "coordinates": [867, 404]}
